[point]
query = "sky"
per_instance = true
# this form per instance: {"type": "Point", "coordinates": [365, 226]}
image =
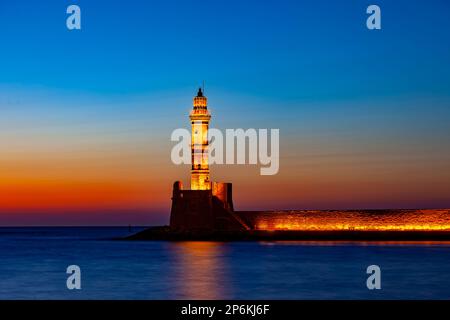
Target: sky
{"type": "Point", "coordinates": [86, 115]}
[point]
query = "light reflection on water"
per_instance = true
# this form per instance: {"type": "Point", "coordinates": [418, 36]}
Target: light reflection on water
{"type": "Point", "coordinates": [201, 271]}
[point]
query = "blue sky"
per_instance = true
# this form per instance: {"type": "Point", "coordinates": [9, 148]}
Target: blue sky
{"type": "Point", "coordinates": [363, 115]}
{"type": "Point", "coordinates": [314, 50]}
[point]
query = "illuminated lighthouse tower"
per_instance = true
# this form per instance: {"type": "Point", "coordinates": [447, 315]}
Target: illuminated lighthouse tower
{"type": "Point", "coordinates": [200, 118]}
{"type": "Point", "coordinates": [207, 206]}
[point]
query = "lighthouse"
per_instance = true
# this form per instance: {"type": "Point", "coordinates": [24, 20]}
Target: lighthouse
{"type": "Point", "coordinates": [200, 118]}
{"type": "Point", "coordinates": [207, 206]}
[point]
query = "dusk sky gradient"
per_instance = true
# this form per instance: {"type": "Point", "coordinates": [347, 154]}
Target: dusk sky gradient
{"type": "Point", "coordinates": [86, 116]}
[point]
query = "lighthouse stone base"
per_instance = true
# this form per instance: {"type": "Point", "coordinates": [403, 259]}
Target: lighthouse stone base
{"type": "Point", "coordinates": [204, 210]}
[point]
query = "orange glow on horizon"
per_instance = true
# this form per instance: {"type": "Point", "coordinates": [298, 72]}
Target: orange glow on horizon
{"type": "Point", "coordinates": [82, 162]}
{"type": "Point", "coordinates": [32, 195]}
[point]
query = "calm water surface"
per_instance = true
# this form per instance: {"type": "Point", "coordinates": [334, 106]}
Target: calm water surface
{"type": "Point", "coordinates": [33, 262]}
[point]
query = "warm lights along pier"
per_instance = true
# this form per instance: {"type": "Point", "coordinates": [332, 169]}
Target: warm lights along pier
{"type": "Point", "coordinates": [206, 211]}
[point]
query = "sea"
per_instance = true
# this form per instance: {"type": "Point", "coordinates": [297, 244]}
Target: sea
{"type": "Point", "coordinates": [34, 262]}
